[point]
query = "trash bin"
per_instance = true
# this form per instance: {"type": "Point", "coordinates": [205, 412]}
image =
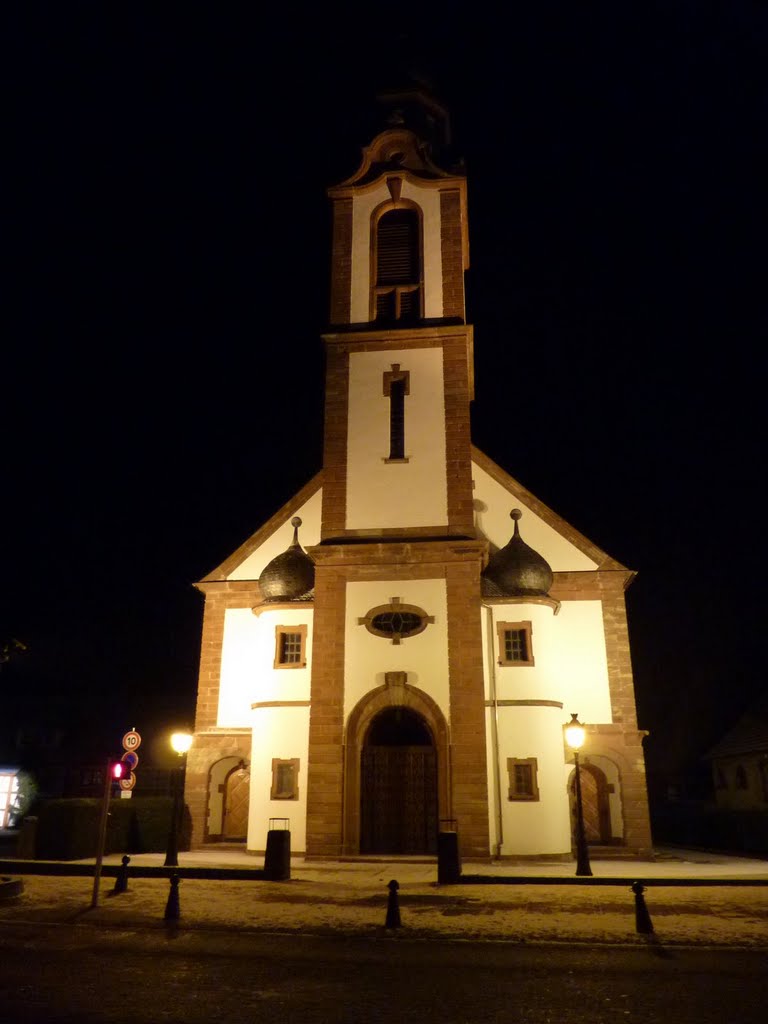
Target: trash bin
{"type": "Point", "coordinates": [277, 858]}
{"type": "Point", "coordinates": [448, 859]}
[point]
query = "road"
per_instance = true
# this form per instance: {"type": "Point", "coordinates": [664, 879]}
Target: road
{"type": "Point", "coordinates": [68, 974]}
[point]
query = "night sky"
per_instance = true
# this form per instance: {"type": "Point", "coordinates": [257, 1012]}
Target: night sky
{"type": "Point", "coordinates": [162, 368]}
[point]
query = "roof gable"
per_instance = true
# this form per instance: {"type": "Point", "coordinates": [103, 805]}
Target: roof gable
{"type": "Point", "coordinates": [748, 736]}
{"type": "Point", "coordinates": [247, 562]}
{"type": "Point", "coordinates": [496, 492]}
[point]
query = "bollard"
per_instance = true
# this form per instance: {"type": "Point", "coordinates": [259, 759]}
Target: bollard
{"type": "Point", "coordinates": [643, 923]}
{"type": "Point", "coordinates": [172, 909]}
{"type": "Point", "coordinates": [393, 906]}
{"type": "Point", "coordinates": [121, 881]}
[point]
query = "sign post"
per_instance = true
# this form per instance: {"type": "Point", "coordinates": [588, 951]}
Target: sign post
{"type": "Point", "coordinates": [126, 782]}
{"type": "Point", "coordinates": [102, 834]}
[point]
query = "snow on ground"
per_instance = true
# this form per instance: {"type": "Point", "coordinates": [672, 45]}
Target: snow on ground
{"type": "Point", "coordinates": [352, 899]}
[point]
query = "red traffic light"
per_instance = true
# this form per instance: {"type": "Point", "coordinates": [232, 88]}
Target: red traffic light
{"type": "Point", "coordinates": [119, 770]}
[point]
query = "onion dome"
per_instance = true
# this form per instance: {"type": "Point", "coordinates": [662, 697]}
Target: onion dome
{"type": "Point", "coordinates": [290, 576]}
{"type": "Point", "coordinates": [516, 569]}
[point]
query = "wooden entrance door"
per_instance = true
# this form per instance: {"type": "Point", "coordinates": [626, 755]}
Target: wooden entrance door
{"type": "Point", "coordinates": [594, 802]}
{"type": "Point", "coordinates": [398, 812]}
{"type": "Point", "coordinates": [237, 793]}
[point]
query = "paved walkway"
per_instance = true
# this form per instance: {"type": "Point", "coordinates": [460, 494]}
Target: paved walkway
{"type": "Point", "coordinates": [693, 898]}
{"type": "Point", "coordinates": [668, 863]}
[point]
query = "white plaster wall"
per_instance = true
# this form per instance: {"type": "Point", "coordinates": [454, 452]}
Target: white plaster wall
{"type": "Point", "coordinates": [248, 654]}
{"type": "Point", "coordinates": [284, 733]}
{"type": "Point", "coordinates": [362, 208]}
{"type": "Point", "coordinates": [396, 494]}
{"type": "Point", "coordinates": [530, 827]}
{"type": "Point", "coordinates": [309, 534]}
{"type": "Point", "coordinates": [269, 683]}
{"type": "Point", "coordinates": [239, 668]}
{"type": "Point", "coordinates": [424, 657]}
{"type": "Point", "coordinates": [569, 654]}
{"type": "Point", "coordinates": [494, 503]}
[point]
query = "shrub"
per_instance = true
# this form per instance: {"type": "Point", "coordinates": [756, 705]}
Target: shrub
{"type": "Point", "coordinates": [67, 829]}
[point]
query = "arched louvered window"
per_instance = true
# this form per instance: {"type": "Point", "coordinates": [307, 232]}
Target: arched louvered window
{"type": "Point", "coordinates": [397, 289]}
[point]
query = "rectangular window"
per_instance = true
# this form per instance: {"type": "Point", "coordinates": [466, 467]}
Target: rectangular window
{"type": "Point", "coordinates": [397, 419]}
{"type": "Point", "coordinates": [290, 646]}
{"type": "Point", "coordinates": [396, 385]}
{"type": "Point", "coordinates": [523, 784]}
{"type": "Point", "coordinates": [515, 643]}
{"type": "Point", "coordinates": [285, 779]}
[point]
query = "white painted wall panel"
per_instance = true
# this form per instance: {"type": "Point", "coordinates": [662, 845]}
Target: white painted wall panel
{"type": "Point", "coordinates": [270, 683]}
{"type": "Point", "coordinates": [531, 827]}
{"type": "Point", "coordinates": [569, 654]}
{"type": "Point", "coordinates": [423, 657]}
{"type": "Point", "coordinates": [384, 494]}
{"type": "Point", "coordinates": [282, 733]}
{"type": "Point", "coordinates": [239, 667]}
{"type": "Point", "coordinates": [247, 664]}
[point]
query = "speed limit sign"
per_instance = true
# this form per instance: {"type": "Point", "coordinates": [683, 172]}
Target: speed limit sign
{"type": "Point", "coordinates": [131, 740]}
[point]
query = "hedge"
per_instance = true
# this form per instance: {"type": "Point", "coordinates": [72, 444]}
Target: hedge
{"type": "Point", "coordinates": [716, 828]}
{"type": "Point", "coordinates": [67, 829]}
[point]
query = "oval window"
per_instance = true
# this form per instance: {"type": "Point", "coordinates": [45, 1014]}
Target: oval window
{"type": "Point", "coordinates": [404, 623]}
{"type": "Point", "coordinates": [396, 621]}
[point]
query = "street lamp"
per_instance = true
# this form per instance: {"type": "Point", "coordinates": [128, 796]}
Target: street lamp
{"type": "Point", "coordinates": [575, 735]}
{"type": "Point", "coordinates": [180, 742]}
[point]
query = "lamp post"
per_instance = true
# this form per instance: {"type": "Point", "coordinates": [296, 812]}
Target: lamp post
{"type": "Point", "coordinates": [574, 737]}
{"type": "Point", "coordinates": [181, 742]}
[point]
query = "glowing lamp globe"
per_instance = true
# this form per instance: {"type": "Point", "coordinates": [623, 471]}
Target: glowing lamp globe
{"type": "Point", "coordinates": [575, 733]}
{"type": "Point", "coordinates": [181, 742]}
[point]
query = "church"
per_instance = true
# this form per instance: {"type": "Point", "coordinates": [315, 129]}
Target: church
{"type": "Point", "coordinates": [398, 650]}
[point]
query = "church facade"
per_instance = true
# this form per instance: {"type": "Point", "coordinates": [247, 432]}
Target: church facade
{"type": "Point", "coordinates": [398, 650]}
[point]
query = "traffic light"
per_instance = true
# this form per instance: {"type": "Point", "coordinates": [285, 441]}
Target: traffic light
{"type": "Point", "coordinates": [119, 770]}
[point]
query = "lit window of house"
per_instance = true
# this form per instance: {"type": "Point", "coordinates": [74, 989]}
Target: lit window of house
{"type": "Point", "coordinates": [9, 798]}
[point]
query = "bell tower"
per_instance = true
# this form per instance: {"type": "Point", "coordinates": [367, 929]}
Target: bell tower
{"type": "Point", "coordinates": [397, 511]}
{"type": "Point", "coordinates": [399, 352]}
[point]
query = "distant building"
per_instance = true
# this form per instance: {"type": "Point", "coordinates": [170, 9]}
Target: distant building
{"type": "Point", "coordinates": [392, 653]}
{"type": "Point", "coordinates": [740, 763]}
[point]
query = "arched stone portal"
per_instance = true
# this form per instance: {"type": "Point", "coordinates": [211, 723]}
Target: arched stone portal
{"type": "Point", "coordinates": [379, 752]}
